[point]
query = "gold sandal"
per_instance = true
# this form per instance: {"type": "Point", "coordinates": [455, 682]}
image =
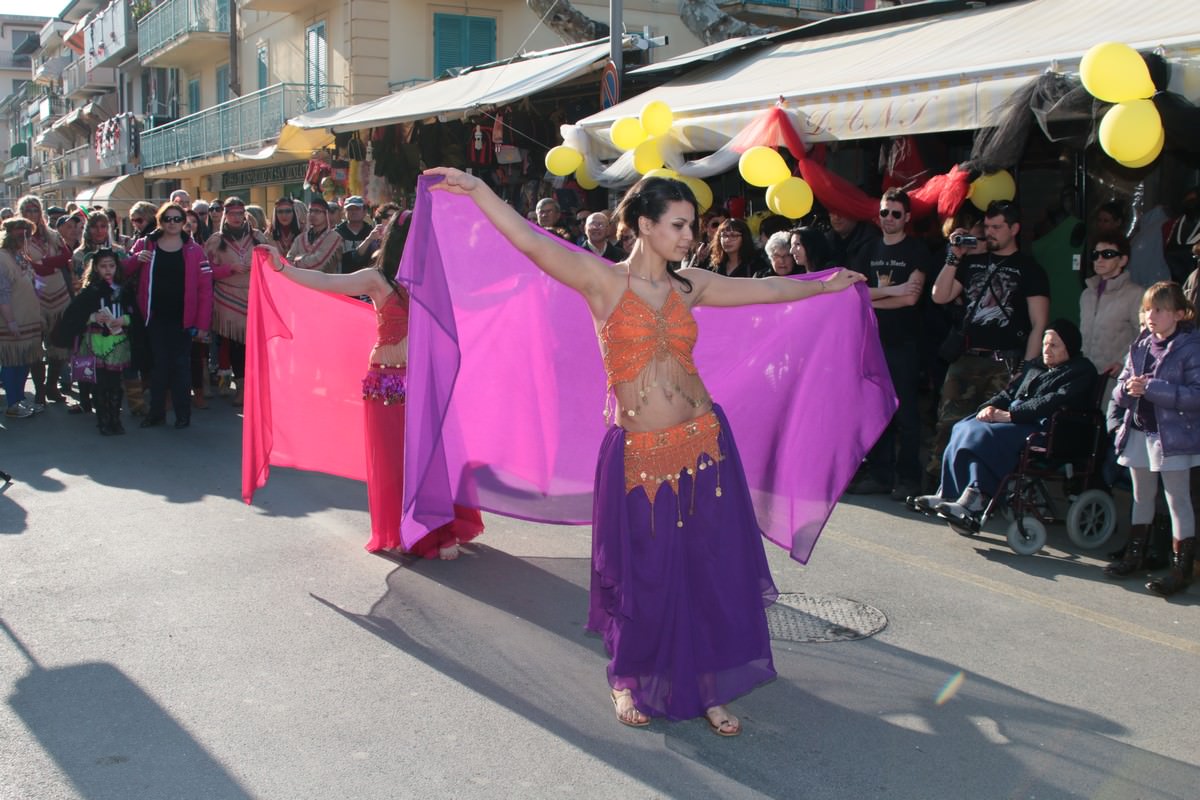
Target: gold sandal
{"type": "Point", "coordinates": [719, 726]}
{"type": "Point", "coordinates": [639, 721]}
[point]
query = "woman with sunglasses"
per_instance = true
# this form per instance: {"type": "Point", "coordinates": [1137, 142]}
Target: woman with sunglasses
{"type": "Point", "coordinates": [734, 252]}
{"type": "Point", "coordinates": [175, 297]}
{"type": "Point", "coordinates": [143, 217]}
{"type": "Point", "coordinates": [230, 251]}
{"type": "Point", "coordinates": [1109, 307]}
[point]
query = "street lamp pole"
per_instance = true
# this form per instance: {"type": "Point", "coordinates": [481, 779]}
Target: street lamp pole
{"type": "Point", "coordinates": [616, 34]}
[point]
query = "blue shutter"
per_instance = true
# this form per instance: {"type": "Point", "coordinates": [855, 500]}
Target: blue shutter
{"type": "Point", "coordinates": [462, 41]}
{"type": "Point", "coordinates": [449, 39]}
{"type": "Point", "coordinates": [481, 40]}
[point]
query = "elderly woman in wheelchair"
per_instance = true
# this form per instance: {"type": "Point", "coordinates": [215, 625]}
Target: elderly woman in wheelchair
{"type": "Point", "coordinates": [983, 449]}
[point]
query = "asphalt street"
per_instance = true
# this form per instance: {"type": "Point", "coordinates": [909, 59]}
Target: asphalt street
{"type": "Point", "coordinates": [162, 639]}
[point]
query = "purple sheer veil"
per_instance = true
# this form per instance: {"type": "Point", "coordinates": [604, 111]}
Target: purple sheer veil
{"type": "Point", "coordinates": [506, 387]}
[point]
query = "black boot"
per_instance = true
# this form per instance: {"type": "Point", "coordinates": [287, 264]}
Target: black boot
{"type": "Point", "coordinates": [37, 373]}
{"type": "Point", "coordinates": [1132, 560]}
{"type": "Point", "coordinates": [1183, 561]}
{"type": "Point", "coordinates": [115, 398]}
{"type": "Point", "coordinates": [103, 413]}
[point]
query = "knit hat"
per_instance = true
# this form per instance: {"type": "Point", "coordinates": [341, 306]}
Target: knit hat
{"type": "Point", "coordinates": [1070, 335]}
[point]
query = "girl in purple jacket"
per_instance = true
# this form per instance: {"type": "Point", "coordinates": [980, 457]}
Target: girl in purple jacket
{"type": "Point", "coordinates": [1159, 390]}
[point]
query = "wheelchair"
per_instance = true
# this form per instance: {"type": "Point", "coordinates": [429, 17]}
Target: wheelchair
{"type": "Point", "coordinates": [1071, 452]}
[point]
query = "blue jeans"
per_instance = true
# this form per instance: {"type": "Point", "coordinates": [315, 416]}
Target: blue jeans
{"type": "Point", "coordinates": [171, 347]}
{"type": "Point", "coordinates": [886, 465]}
{"type": "Point", "coordinates": [14, 379]}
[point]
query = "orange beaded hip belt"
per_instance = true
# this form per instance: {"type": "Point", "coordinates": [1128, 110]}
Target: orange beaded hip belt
{"type": "Point", "coordinates": [653, 458]}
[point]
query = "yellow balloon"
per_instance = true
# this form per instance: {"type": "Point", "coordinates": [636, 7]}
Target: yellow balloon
{"type": "Point", "coordinates": [987, 188]}
{"type": "Point", "coordinates": [1115, 72]}
{"type": "Point", "coordinates": [646, 156]}
{"type": "Point", "coordinates": [663, 172]}
{"type": "Point", "coordinates": [762, 166]}
{"type": "Point", "coordinates": [791, 197]}
{"type": "Point", "coordinates": [563, 160]}
{"type": "Point", "coordinates": [1130, 130]}
{"type": "Point", "coordinates": [1150, 157]}
{"type": "Point", "coordinates": [657, 118]}
{"type": "Point", "coordinates": [702, 192]}
{"type": "Point", "coordinates": [627, 133]}
{"type": "Point", "coordinates": [584, 178]}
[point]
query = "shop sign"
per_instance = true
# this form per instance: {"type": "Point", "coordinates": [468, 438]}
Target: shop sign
{"type": "Point", "coordinates": [276, 173]}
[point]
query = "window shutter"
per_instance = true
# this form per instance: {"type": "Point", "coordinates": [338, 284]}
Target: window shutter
{"type": "Point", "coordinates": [481, 40]}
{"type": "Point", "coordinates": [263, 74]}
{"type": "Point", "coordinates": [316, 68]}
{"type": "Point", "coordinates": [449, 41]}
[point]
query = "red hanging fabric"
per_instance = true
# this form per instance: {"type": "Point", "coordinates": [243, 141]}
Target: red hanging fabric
{"type": "Point", "coordinates": [775, 128]}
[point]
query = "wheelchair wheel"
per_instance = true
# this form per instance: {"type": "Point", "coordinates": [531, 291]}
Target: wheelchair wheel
{"type": "Point", "coordinates": [1091, 519]}
{"type": "Point", "coordinates": [1031, 541]}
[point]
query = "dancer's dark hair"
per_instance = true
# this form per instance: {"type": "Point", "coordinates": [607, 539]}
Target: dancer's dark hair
{"type": "Point", "coordinates": [650, 198]}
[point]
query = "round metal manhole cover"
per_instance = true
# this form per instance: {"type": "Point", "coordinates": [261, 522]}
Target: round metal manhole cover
{"type": "Point", "coordinates": [799, 617]}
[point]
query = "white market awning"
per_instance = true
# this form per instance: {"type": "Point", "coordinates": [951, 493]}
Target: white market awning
{"type": "Point", "coordinates": [118, 194]}
{"type": "Point", "coordinates": [481, 87]}
{"type": "Point", "coordinates": [942, 73]}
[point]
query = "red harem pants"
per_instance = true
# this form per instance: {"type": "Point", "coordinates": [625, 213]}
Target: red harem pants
{"type": "Point", "coordinates": [383, 406]}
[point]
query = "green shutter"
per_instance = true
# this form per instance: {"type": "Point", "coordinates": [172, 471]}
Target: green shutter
{"type": "Point", "coordinates": [263, 75]}
{"type": "Point", "coordinates": [222, 83]}
{"type": "Point", "coordinates": [194, 96]}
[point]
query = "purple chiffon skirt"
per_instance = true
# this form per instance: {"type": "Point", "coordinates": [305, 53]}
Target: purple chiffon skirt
{"type": "Point", "coordinates": [682, 610]}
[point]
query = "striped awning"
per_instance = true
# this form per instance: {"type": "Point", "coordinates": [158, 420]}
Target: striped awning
{"type": "Point", "coordinates": [943, 73]}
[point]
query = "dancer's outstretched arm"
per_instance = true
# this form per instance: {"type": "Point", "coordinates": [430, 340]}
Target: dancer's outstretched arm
{"type": "Point", "coordinates": [719, 290]}
{"type": "Point", "coordinates": [368, 281]}
{"type": "Point", "coordinates": [582, 272]}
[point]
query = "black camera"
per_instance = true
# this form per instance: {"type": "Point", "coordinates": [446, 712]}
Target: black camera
{"type": "Point", "coordinates": [964, 240]}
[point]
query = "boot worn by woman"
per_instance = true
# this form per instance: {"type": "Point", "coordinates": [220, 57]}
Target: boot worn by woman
{"type": "Point", "coordinates": [1132, 560]}
{"type": "Point", "coordinates": [1183, 561]}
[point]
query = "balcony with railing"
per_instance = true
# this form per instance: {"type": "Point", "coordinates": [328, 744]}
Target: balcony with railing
{"type": "Point", "coordinates": [241, 124]}
{"type": "Point", "coordinates": [184, 33]}
{"type": "Point", "coordinates": [80, 82]}
{"type": "Point", "coordinates": [76, 167]}
{"type": "Point", "coordinates": [50, 70]}
{"type": "Point", "coordinates": [10, 61]}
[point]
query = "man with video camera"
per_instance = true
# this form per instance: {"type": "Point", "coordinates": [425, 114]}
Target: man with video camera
{"type": "Point", "coordinates": [1007, 306]}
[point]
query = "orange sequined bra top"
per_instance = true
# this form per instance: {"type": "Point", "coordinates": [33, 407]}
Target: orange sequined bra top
{"type": "Point", "coordinates": [648, 347]}
{"type": "Point", "coordinates": [650, 350]}
{"type": "Point", "coordinates": [391, 320]}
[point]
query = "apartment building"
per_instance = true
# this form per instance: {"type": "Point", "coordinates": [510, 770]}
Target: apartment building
{"type": "Point", "coordinates": [18, 40]}
{"type": "Point", "coordinates": [132, 98]}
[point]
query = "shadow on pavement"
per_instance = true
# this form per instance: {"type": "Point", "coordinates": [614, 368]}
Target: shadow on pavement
{"type": "Point", "coordinates": [184, 466]}
{"type": "Point", "coordinates": [111, 740]}
{"type": "Point", "coordinates": [863, 716]}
